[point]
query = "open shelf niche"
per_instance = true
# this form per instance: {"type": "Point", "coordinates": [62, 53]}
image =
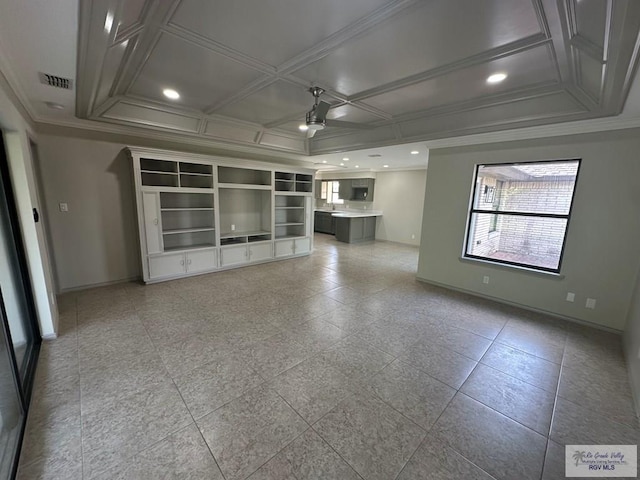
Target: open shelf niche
{"type": "Point", "coordinates": [188, 220]}
{"type": "Point", "coordinates": [289, 216]}
{"type": "Point", "coordinates": [245, 215]}
{"type": "Point", "coordinates": [167, 173]}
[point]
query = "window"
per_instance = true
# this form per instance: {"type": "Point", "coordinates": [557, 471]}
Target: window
{"type": "Point", "coordinates": [330, 191]}
{"type": "Point", "coordinates": [520, 212]}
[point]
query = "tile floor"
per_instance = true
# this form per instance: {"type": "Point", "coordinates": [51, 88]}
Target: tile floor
{"type": "Point", "coordinates": [335, 366]}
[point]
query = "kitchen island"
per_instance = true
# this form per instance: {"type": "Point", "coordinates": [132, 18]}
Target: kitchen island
{"type": "Point", "coordinates": [354, 227]}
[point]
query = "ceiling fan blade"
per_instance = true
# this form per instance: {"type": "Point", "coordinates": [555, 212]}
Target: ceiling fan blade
{"type": "Point", "coordinates": [341, 124]}
{"type": "Point", "coordinates": [311, 133]}
{"type": "Point", "coordinates": [321, 110]}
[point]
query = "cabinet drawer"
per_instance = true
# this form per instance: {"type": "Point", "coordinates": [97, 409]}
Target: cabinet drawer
{"type": "Point", "coordinates": [234, 255]}
{"type": "Point", "coordinates": [166, 265]}
{"type": "Point", "coordinates": [283, 248]}
{"type": "Point", "coordinates": [260, 251]}
{"type": "Point", "coordinates": [202, 261]}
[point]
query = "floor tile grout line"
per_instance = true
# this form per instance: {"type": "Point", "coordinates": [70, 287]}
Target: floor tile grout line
{"type": "Point", "coordinates": [517, 378]}
{"type": "Point", "coordinates": [553, 412]}
{"type": "Point", "coordinates": [195, 423]}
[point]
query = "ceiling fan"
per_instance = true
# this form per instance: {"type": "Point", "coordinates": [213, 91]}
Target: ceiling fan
{"type": "Point", "coordinates": [316, 118]}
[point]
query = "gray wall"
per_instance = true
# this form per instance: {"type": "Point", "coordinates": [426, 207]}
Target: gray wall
{"type": "Point", "coordinates": [400, 196]}
{"type": "Point", "coordinates": [601, 257]}
{"type": "Point", "coordinates": [96, 241]}
{"type": "Point", "coordinates": [632, 344]}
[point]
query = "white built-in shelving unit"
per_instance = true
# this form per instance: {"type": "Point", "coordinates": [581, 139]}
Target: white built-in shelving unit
{"type": "Point", "coordinates": [200, 214]}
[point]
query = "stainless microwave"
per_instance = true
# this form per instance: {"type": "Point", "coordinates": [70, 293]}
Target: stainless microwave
{"type": "Point", "coordinates": [360, 193]}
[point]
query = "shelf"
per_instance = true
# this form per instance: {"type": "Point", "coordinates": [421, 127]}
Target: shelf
{"type": "Point", "coordinates": [187, 209]}
{"type": "Point", "coordinates": [197, 174]}
{"type": "Point", "coordinates": [288, 224]}
{"type": "Point", "coordinates": [243, 234]}
{"type": "Point", "coordinates": [289, 208]}
{"type": "Point", "coordinates": [285, 237]}
{"type": "Point", "coordinates": [244, 186]}
{"type": "Point", "coordinates": [187, 230]}
{"type": "Point", "coordinates": [190, 247]}
{"type": "Point", "coordinates": [160, 172]}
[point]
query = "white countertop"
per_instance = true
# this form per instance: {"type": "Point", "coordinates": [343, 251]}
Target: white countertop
{"type": "Point", "coordinates": [350, 213]}
{"type": "Point", "coordinates": [360, 214]}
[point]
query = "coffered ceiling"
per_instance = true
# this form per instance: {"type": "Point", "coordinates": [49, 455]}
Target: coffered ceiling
{"type": "Point", "coordinates": [406, 70]}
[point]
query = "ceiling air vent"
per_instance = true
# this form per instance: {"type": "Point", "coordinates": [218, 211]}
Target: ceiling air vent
{"type": "Point", "coordinates": [55, 81]}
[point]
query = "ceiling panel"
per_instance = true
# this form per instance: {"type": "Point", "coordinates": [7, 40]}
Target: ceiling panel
{"type": "Point", "coordinates": [276, 101]}
{"type": "Point", "coordinates": [590, 75]}
{"type": "Point", "coordinates": [351, 113]}
{"type": "Point", "coordinates": [439, 32]}
{"type": "Point", "coordinates": [150, 116]}
{"type": "Point", "coordinates": [130, 13]}
{"type": "Point", "coordinates": [291, 127]}
{"type": "Point", "coordinates": [527, 68]}
{"type": "Point", "coordinates": [591, 18]}
{"type": "Point", "coordinates": [272, 31]}
{"type": "Point", "coordinates": [201, 76]}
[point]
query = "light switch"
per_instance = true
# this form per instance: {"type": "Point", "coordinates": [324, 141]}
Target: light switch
{"type": "Point", "coordinates": [591, 303]}
{"type": "Point", "coordinates": [64, 207]}
{"type": "Point", "coordinates": [571, 297]}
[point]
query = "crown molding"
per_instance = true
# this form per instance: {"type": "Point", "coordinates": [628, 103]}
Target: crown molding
{"type": "Point", "coordinates": [111, 132]}
{"type": "Point", "coordinates": [543, 131]}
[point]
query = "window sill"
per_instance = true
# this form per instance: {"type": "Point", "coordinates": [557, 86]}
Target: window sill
{"type": "Point", "coordinates": [517, 268]}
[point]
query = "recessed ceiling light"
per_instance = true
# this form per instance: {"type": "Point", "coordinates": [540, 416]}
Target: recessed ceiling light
{"type": "Point", "coordinates": [342, 164]}
{"type": "Point", "coordinates": [170, 93]}
{"type": "Point", "coordinates": [303, 127]}
{"type": "Point", "coordinates": [414, 152]}
{"type": "Point", "coordinates": [357, 166]}
{"type": "Point", "coordinates": [324, 161]}
{"type": "Point", "coordinates": [374, 155]}
{"type": "Point", "coordinates": [496, 78]}
{"type": "Point", "coordinates": [346, 159]}
{"type": "Point", "coordinates": [385, 166]}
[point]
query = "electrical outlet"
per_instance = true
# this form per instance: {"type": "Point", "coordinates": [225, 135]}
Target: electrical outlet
{"type": "Point", "coordinates": [485, 279]}
{"type": "Point", "coordinates": [591, 303]}
{"type": "Point", "coordinates": [413, 236]}
{"type": "Point", "coordinates": [571, 297]}
{"type": "Point", "coordinates": [233, 227]}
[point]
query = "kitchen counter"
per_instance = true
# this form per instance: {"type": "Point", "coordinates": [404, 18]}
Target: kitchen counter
{"type": "Point", "coordinates": [360, 214]}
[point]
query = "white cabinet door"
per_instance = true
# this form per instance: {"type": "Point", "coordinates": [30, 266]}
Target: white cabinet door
{"type": "Point", "coordinates": [284, 248]}
{"type": "Point", "coordinates": [233, 255]}
{"type": "Point", "coordinates": [151, 208]}
{"type": "Point", "coordinates": [260, 251]}
{"type": "Point", "coordinates": [201, 260]}
{"type": "Point", "coordinates": [302, 245]}
{"type": "Point", "coordinates": [166, 265]}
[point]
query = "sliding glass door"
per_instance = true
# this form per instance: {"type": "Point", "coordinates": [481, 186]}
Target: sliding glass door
{"type": "Point", "coordinates": [19, 337]}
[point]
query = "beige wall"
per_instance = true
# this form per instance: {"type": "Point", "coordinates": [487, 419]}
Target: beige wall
{"type": "Point", "coordinates": [632, 344]}
{"type": "Point", "coordinates": [96, 241]}
{"type": "Point", "coordinates": [601, 257]}
{"type": "Point", "coordinates": [400, 196]}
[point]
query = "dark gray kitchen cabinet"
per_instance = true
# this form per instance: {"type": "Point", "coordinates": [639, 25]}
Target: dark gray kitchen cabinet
{"type": "Point", "coordinates": [355, 229]}
{"type": "Point", "coordinates": [324, 223]}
